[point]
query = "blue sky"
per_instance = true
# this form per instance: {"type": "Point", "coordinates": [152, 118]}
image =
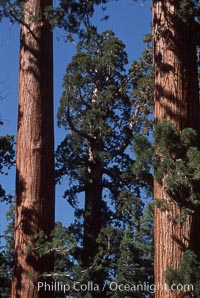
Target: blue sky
{"type": "Point", "coordinates": [129, 21]}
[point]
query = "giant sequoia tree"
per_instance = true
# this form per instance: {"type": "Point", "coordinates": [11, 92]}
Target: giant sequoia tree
{"type": "Point", "coordinates": [176, 99]}
{"type": "Point", "coordinates": [96, 109]}
{"type": "Point", "coordinates": [101, 117]}
{"type": "Point", "coordinates": [35, 162]}
{"type": "Point", "coordinates": [35, 150]}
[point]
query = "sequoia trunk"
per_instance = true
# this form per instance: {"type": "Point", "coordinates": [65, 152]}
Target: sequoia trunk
{"type": "Point", "coordinates": [35, 151]}
{"type": "Point", "coordinates": [176, 99]}
{"type": "Point", "coordinates": [93, 214]}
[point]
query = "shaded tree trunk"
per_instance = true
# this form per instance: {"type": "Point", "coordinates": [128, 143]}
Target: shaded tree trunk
{"type": "Point", "coordinates": [176, 99]}
{"type": "Point", "coordinates": [35, 151]}
{"type": "Point", "coordinates": [93, 217]}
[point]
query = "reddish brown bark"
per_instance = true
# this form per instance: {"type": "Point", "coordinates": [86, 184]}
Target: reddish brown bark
{"type": "Point", "coordinates": [176, 99]}
{"type": "Point", "coordinates": [35, 151]}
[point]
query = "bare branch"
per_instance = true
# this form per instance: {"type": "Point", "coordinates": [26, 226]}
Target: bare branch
{"type": "Point", "coordinates": [129, 134]}
{"type": "Point", "coordinates": [59, 249]}
{"type": "Point", "coordinates": [73, 127]}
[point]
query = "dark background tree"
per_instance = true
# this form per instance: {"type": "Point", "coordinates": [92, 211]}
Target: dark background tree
{"type": "Point", "coordinates": [7, 155]}
{"type": "Point", "coordinates": [101, 118]}
{"type": "Point", "coordinates": [6, 254]}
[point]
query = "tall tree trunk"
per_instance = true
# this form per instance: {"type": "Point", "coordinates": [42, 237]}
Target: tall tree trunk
{"type": "Point", "coordinates": [93, 217]}
{"type": "Point", "coordinates": [176, 99]}
{"type": "Point", "coordinates": [35, 151]}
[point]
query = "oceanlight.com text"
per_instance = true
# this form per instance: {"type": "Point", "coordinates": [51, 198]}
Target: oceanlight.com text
{"type": "Point", "coordinates": [113, 286]}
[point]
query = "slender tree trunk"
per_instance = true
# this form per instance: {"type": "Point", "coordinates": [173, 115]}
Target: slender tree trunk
{"type": "Point", "coordinates": [93, 217]}
{"type": "Point", "coordinates": [35, 151]}
{"type": "Point", "coordinates": [176, 99]}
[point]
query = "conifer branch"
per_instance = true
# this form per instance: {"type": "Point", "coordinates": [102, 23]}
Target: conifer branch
{"type": "Point", "coordinates": [74, 129]}
{"type": "Point", "coordinates": [129, 134]}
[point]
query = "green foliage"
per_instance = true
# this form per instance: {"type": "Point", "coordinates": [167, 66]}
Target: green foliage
{"type": "Point", "coordinates": [165, 138]}
{"type": "Point", "coordinates": [162, 204]}
{"type": "Point", "coordinates": [177, 164]}
{"type": "Point", "coordinates": [188, 272]}
{"type": "Point", "coordinates": [134, 264]}
{"type": "Point", "coordinates": [143, 164]}
{"type": "Point", "coordinates": [11, 9]}
{"type": "Point", "coordinates": [187, 9]}
{"type": "Point", "coordinates": [62, 245]}
{"type": "Point", "coordinates": [5, 279]}
{"type": "Point", "coordinates": [95, 109]}
{"type": "Point", "coordinates": [129, 205]}
{"type": "Point", "coordinates": [6, 255]}
{"type": "Point", "coordinates": [60, 241]}
{"type": "Point", "coordinates": [7, 155]}
{"type": "Point", "coordinates": [71, 15]}
{"type": "Point", "coordinates": [98, 104]}
{"type": "Point", "coordinates": [141, 76]}
{"type": "Point", "coordinates": [105, 109]}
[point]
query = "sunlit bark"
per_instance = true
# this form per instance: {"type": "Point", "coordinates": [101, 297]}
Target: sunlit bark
{"type": "Point", "coordinates": [35, 151]}
{"type": "Point", "coordinates": [176, 99]}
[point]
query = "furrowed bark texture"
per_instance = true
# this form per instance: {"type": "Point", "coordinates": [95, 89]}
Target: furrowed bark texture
{"type": "Point", "coordinates": [35, 151]}
{"type": "Point", "coordinates": [176, 99]}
